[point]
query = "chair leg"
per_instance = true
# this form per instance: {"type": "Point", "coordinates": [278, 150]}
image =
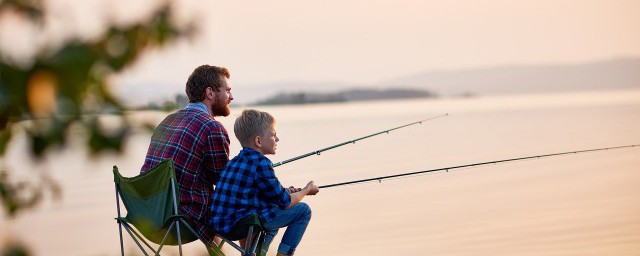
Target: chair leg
{"type": "Point", "coordinates": [121, 243]}
{"type": "Point", "coordinates": [119, 222]}
{"type": "Point", "coordinates": [248, 243]}
{"type": "Point", "coordinates": [179, 237]}
{"type": "Point", "coordinates": [164, 238]}
{"type": "Point", "coordinates": [255, 244]}
{"type": "Point", "coordinates": [234, 245]}
{"type": "Point", "coordinates": [175, 211]}
{"type": "Point", "coordinates": [263, 235]}
{"type": "Point", "coordinates": [126, 226]}
{"type": "Point", "coordinates": [212, 248]}
{"type": "Point", "coordinates": [136, 240]}
{"type": "Point", "coordinates": [215, 251]}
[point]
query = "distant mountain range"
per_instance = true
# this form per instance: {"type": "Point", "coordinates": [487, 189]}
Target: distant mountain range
{"type": "Point", "coordinates": [509, 79]}
{"type": "Point", "coordinates": [614, 74]}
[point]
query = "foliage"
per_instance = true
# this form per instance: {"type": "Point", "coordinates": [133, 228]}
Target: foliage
{"type": "Point", "coordinates": [167, 106]}
{"type": "Point", "coordinates": [66, 85]}
{"type": "Point", "coordinates": [16, 249]}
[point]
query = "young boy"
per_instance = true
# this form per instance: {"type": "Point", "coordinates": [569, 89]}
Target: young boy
{"type": "Point", "coordinates": [249, 185]}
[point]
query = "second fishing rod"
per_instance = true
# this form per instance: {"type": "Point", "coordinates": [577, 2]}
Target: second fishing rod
{"type": "Point", "coordinates": [317, 152]}
{"type": "Point", "coordinates": [450, 168]}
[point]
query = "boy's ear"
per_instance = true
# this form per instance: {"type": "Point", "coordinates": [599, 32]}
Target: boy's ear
{"type": "Point", "coordinates": [257, 140]}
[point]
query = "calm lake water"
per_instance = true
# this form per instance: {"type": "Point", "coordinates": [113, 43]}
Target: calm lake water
{"type": "Point", "coordinates": [585, 204]}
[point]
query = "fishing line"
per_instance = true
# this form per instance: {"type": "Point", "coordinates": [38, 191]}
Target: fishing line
{"type": "Point", "coordinates": [317, 152]}
{"type": "Point", "coordinates": [447, 169]}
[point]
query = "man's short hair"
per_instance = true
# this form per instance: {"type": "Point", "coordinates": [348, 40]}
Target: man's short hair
{"type": "Point", "coordinates": [250, 124]}
{"type": "Point", "coordinates": [202, 77]}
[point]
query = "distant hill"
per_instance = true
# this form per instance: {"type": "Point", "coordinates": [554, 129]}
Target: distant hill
{"type": "Point", "coordinates": [343, 96]}
{"type": "Point", "coordinates": [614, 74]}
{"type": "Point", "coordinates": [508, 79]}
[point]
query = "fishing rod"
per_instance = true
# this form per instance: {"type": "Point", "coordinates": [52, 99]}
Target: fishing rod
{"type": "Point", "coordinates": [472, 165]}
{"type": "Point", "coordinates": [317, 152]}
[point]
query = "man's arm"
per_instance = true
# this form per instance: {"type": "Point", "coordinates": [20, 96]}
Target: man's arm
{"type": "Point", "coordinates": [218, 151]}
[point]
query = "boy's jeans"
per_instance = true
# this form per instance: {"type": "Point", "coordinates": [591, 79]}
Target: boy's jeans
{"type": "Point", "coordinates": [295, 219]}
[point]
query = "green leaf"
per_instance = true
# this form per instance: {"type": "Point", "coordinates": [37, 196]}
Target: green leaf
{"type": "Point", "coordinates": [5, 137]}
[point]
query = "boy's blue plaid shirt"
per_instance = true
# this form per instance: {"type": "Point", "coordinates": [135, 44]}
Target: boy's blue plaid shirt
{"type": "Point", "coordinates": [247, 184]}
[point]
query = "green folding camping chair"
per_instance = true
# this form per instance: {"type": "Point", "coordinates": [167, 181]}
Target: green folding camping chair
{"type": "Point", "coordinates": [153, 209]}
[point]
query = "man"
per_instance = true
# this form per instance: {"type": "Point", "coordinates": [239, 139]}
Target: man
{"type": "Point", "coordinates": [196, 142]}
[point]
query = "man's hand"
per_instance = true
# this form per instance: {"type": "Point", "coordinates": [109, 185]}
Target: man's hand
{"type": "Point", "coordinates": [312, 188]}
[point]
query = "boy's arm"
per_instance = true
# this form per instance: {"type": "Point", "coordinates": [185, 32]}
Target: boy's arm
{"type": "Point", "coordinates": [269, 186]}
{"type": "Point", "coordinates": [310, 189]}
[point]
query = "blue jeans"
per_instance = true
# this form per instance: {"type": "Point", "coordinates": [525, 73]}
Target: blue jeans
{"type": "Point", "coordinates": [295, 219]}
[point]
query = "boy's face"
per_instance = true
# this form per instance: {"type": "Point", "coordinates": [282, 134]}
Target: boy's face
{"type": "Point", "coordinates": [269, 141]}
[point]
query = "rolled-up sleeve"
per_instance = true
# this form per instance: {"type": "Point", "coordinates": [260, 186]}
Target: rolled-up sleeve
{"type": "Point", "coordinates": [270, 187]}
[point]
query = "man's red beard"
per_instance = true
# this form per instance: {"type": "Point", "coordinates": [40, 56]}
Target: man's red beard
{"type": "Point", "coordinates": [221, 108]}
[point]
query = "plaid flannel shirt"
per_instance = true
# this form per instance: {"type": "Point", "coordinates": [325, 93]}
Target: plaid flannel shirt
{"type": "Point", "coordinates": [199, 147]}
{"type": "Point", "coordinates": [247, 184]}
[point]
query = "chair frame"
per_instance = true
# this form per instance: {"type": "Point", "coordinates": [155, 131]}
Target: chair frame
{"type": "Point", "coordinates": [177, 219]}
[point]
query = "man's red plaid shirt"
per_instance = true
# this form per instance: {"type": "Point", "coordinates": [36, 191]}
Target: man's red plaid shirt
{"type": "Point", "coordinates": [199, 147]}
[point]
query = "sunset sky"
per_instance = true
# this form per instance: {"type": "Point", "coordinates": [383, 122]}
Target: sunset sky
{"type": "Point", "coordinates": [367, 42]}
{"type": "Point", "coordinates": [583, 204]}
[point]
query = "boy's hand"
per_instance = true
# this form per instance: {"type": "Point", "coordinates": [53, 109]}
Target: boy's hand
{"type": "Point", "coordinates": [293, 189]}
{"type": "Point", "coordinates": [312, 188]}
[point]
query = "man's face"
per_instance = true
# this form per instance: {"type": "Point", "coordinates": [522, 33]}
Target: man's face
{"type": "Point", "coordinates": [222, 99]}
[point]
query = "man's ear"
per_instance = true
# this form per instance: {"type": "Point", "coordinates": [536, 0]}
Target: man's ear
{"type": "Point", "coordinates": [209, 93]}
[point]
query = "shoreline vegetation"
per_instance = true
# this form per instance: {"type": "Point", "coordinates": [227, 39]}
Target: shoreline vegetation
{"type": "Point", "coordinates": [350, 95]}
{"type": "Point", "coordinates": [308, 97]}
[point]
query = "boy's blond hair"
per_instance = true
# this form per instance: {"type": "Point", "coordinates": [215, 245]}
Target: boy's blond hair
{"type": "Point", "coordinates": [250, 124]}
